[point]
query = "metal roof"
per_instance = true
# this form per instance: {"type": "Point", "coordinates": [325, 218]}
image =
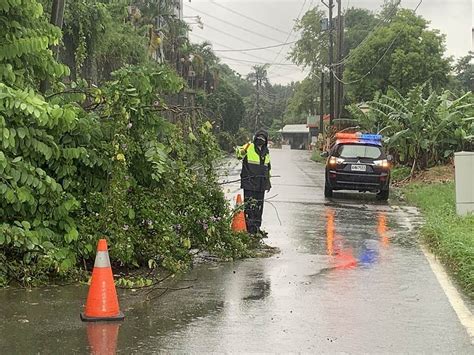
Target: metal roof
{"type": "Point", "coordinates": [295, 128]}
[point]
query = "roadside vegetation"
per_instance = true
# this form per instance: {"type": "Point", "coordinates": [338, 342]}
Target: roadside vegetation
{"type": "Point", "coordinates": [448, 235]}
{"type": "Point", "coordinates": [316, 156]}
{"type": "Point", "coordinates": [116, 159]}
{"type": "Point", "coordinates": [423, 128]}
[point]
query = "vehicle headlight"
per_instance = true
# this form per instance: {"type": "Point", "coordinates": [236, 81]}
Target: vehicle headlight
{"type": "Point", "coordinates": [333, 161]}
{"type": "Point", "coordinates": [382, 163]}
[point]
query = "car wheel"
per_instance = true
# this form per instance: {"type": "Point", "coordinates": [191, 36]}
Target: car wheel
{"type": "Point", "coordinates": [327, 191]}
{"type": "Point", "coordinates": [383, 195]}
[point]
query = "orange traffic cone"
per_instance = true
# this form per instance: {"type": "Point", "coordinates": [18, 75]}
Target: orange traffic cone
{"type": "Point", "coordinates": [102, 302]}
{"type": "Point", "coordinates": [238, 222]}
{"type": "Point", "coordinates": [102, 338]}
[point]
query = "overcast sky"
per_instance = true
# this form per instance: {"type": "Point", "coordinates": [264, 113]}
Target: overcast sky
{"type": "Point", "coordinates": [227, 30]}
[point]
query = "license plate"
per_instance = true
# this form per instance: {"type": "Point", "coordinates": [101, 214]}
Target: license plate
{"type": "Point", "coordinates": [358, 167]}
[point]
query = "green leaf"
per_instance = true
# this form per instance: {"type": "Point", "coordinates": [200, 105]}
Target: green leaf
{"type": "Point", "coordinates": [48, 245]}
{"type": "Point", "coordinates": [22, 132]}
{"type": "Point", "coordinates": [16, 175]}
{"type": "Point", "coordinates": [10, 196]}
{"type": "Point", "coordinates": [72, 235]}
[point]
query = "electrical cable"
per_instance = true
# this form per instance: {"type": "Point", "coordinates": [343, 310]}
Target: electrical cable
{"type": "Point", "coordinates": [366, 38]}
{"type": "Point", "coordinates": [281, 45]}
{"type": "Point", "coordinates": [293, 28]}
{"type": "Point", "coordinates": [380, 59]}
{"type": "Point", "coordinates": [225, 46]}
{"type": "Point", "coordinates": [254, 49]}
{"type": "Point", "coordinates": [254, 62]}
{"type": "Point", "coordinates": [370, 71]}
{"type": "Point", "coordinates": [248, 17]}
{"type": "Point", "coordinates": [281, 65]}
{"type": "Point", "coordinates": [234, 25]}
{"type": "Point", "coordinates": [233, 36]}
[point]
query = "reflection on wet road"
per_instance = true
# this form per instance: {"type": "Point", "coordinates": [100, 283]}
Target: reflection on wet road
{"type": "Point", "coordinates": [350, 278]}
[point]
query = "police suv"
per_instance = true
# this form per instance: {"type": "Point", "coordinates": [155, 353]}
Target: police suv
{"type": "Point", "coordinates": [358, 162]}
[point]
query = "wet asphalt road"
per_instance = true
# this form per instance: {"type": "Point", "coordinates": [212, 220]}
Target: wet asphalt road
{"type": "Point", "coordinates": [350, 278]}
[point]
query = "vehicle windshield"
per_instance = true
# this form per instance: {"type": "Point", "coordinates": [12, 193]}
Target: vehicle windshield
{"type": "Point", "coordinates": [359, 151]}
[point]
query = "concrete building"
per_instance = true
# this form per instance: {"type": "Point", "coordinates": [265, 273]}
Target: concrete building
{"type": "Point", "coordinates": [296, 135]}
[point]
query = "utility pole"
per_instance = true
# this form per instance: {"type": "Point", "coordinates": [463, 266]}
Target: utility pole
{"type": "Point", "coordinates": [339, 69]}
{"type": "Point", "coordinates": [321, 106]}
{"type": "Point", "coordinates": [330, 6]}
{"type": "Point", "coordinates": [57, 16]}
{"type": "Point", "coordinates": [257, 99]}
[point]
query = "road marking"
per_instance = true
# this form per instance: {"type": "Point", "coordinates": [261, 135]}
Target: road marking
{"type": "Point", "coordinates": [464, 314]}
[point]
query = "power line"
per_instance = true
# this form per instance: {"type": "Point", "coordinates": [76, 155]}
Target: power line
{"type": "Point", "coordinates": [249, 18]}
{"type": "Point", "coordinates": [292, 28]}
{"type": "Point", "coordinates": [281, 76]}
{"type": "Point", "coordinates": [380, 59]}
{"type": "Point", "coordinates": [226, 46]}
{"type": "Point", "coordinates": [254, 49]}
{"type": "Point", "coordinates": [366, 38]}
{"type": "Point", "coordinates": [247, 63]}
{"type": "Point", "coordinates": [254, 62]}
{"type": "Point", "coordinates": [236, 26]}
{"type": "Point", "coordinates": [370, 71]}
{"type": "Point", "coordinates": [235, 37]}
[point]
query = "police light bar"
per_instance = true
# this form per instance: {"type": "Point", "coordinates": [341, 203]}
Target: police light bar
{"type": "Point", "coordinates": [359, 136]}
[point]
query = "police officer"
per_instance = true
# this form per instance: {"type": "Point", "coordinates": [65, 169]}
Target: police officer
{"type": "Point", "coordinates": [255, 178]}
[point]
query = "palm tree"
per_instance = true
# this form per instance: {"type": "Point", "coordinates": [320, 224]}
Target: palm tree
{"type": "Point", "coordinates": [259, 77]}
{"type": "Point", "coordinates": [205, 64]}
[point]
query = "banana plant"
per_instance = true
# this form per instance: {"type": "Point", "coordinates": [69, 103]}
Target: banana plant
{"type": "Point", "coordinates": [423, 128]}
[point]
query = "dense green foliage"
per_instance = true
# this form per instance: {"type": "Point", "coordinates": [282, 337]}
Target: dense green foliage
{"type": "Point", "coordinates": [402, 54]}
{"type": "Point", "coordinates": [464, 70]}
{"type": "Point", "coordinates": [227, 107]}
{"type": "Point", "coordinates": [98, 39]}
{"type": "Point", "coordinates": [304, 100]}
{"type": "Point", "coordinates": [358, 23]}
{"type": "Point", "coordinates": [311, 50]}
{"type": "Point", "coordinates": [80, 163]}
{"type": "Point", "coordinates": [35, 208]}
{"type": "Point", "coordinates": [423, 128]}
{"type": "Point", "coordinates": [447, 234]}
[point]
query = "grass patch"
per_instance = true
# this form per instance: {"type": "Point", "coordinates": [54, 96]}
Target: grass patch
{"type": "Point", "coordinates": [316, 156]}
{"type": "Point", "coordinates": [400, 173]}
{"type": "Point", "coordinates": [448, 235]}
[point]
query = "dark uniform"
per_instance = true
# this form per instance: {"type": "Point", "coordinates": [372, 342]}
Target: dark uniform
{"type": "Point", "coordinates": [255, 178]}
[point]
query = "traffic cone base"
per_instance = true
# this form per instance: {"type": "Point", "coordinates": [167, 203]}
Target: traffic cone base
{"type": "Point", "coordinates": [102, 302]}
{"type": "Point", "coordinates": [85, 318]}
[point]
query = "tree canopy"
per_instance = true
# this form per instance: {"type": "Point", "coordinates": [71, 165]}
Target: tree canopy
{"type": "Point", "coordinates": [402, 54]}
{"type": "Point", "coordinates": [311, 50]}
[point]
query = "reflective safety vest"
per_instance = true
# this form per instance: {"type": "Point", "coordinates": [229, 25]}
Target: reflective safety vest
{"type": "Point", "coordinates": [255, 175]}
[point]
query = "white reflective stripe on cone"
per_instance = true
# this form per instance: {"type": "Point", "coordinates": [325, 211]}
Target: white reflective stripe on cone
{"type": "Point", "coordinates": [102, 259]}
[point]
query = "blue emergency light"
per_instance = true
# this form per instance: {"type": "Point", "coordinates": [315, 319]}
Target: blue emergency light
{"type": "Point", "coordinates": [371, 137]}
